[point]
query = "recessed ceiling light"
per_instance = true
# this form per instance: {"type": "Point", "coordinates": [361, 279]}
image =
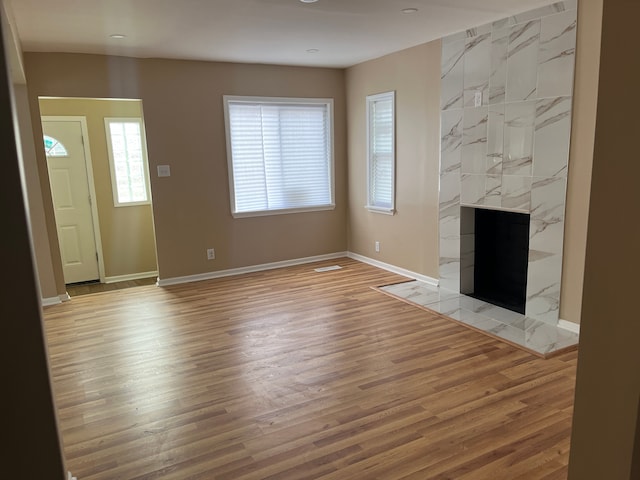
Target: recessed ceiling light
{"type": "Point", "coordinates": [308, 1]}
{"type": "Point", "coordinates": [313, 50]}
{"type": "Point", "coordinates": [117, 35]}
{"type": "Point", "coordinates": [409, 10]}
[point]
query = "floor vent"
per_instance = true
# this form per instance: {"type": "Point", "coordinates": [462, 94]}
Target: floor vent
{"type": "Point", "coordinates": [328, 269]}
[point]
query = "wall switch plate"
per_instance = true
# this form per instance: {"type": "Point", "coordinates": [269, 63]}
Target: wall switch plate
{"type": "Point", "coordinates": [211, 254]}
{"type": "Point", "coordinates": [164, 171]}
{"type": "Point", "coordinates": [377, 246]}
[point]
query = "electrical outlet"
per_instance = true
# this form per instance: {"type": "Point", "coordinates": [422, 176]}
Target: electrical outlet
{"type": "Point", "coordinates": [377, 247]}
{"type": "Point", "coordinates": [211, 254]}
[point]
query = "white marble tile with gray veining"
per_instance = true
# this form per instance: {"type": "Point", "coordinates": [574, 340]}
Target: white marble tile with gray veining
{"type": "Point", "coordinates": [519, 124]}
{"type": "Point", "coordinates": [451, 140]}
{"type": "Point", "coordinates": [516, 193]}
{"type": "Point", "coordinates": [545, 338]}
{"type": "Point", "coordinates": [477, 69]}
{"type": "Point", "coordinates": [522, 61]}
{"type": "Point", "coordinates": [478, 31]}
{"type": "Point", "coordinates": [449, 193]}
{"type": "Point", "coordinates": [420, 293]}
{"type": "Point", "coordinates": [450, 273]}
{"type": "Point", "coordinates": [452, 74]}
{"type": "Point", "coordinates": [552, 136]}
{"type": "Point", "coordinates": [498, 78]}
{"type": "Point", "coordinates": [493, 191]}
{"type": "Point", "coordinates": [557, 55]}
{"type": "Point", "coordinates": [534, 334]}
{"type": "Point", "coordinates": [472, 188]}
{"type": "Point", "coordinates": [544, 275]}
{"type": "Point", "coordinates": [546, 229]}
{"type": "Point", "coordinates": [540, 12]}
{"type": "Point", "coordinates": [481, 190]}
{"type": "Point", "coordinates": [474, 140]}
{"type": "Point", "coordinates": [495, 139]}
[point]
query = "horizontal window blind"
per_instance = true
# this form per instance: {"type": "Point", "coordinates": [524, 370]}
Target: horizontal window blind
{"type": "Point", "coordinates": [381, 151]}
{"type": "Point", "coordinates": [281, 155]}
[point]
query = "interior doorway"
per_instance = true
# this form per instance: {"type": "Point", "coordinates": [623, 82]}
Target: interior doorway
{"type": "Point", "coordinates": [114, 188]}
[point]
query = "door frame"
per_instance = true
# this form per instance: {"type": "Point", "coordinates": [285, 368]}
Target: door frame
{"type": "Point", "coordinates": [90, 181]}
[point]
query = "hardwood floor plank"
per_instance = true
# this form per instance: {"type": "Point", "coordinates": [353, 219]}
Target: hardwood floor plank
{"type": "Point", "coordinates": [292, 374]}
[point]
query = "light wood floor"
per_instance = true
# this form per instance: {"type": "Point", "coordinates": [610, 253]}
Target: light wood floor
{"type": "Point", "coordinates": [76, 289]}
{"type": "Point", "coordinates": [292, 374]}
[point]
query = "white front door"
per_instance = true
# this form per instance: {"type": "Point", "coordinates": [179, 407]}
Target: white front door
{"type": "Point", "coordinates": [71, 200]}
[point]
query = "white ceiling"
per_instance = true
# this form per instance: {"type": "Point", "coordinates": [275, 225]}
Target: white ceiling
{"type": "Point", "coordinates": [345, 32]}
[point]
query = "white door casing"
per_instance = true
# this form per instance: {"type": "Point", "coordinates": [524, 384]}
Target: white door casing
{"type": "Point", "coordinates": [71, 189]}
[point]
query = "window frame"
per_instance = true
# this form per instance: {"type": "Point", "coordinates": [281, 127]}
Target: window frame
{"type": "Point", "coordinates": [328, 102]}
{"type": "Point", "coordinates": [112, 168]}
{"type": "Point", "coordinates": [370, 100]}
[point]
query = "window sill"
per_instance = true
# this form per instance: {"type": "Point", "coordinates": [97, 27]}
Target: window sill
{"type": "Point", "coordinates": [284, 211]}
{"type": "Point", "coordinates": [382, 210]}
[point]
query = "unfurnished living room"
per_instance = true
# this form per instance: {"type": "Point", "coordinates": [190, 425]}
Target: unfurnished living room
{"type": "Point", "coordinates": [330, 239]}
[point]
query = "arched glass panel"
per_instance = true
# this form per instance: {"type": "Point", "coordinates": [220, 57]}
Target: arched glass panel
{"type": "Point", "coordinates": [53, 148]}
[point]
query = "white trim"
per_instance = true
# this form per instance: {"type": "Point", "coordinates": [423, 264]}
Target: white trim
{"type": "Point", "coordinates": [131, 276]}
{"type": "Point", "coordinates": [394, 269]}
{"type": "Point", "coordinates": [65, 297]}
{"type": "Point", "coordinates": [254, 268]}
{"type": "Point", "coordinates": [47, 302]}
{"type": "Point", "coordinates": [384, 211]}
{"type": "Point", "coordinates": [570, 326]}
{"type": "Point", "coordinates": [90, 182]}
{"type": "Point", "coordinates": [370, 101]}
{"type": "Point", "coordinates": [282, 211]}
{"type": "Point", "coordinates": [327, 102]}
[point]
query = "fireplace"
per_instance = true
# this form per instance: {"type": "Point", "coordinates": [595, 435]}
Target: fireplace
{"type": "Point", "coordinates": [494, 256]}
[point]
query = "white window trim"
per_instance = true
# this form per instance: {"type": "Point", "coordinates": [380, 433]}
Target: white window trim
{"type": "Point", "coordinates": [370, 100]}
{"type": "Point", "coordinates": [112, 168]}
{"type": "Point", "coordinates": [279, 100]}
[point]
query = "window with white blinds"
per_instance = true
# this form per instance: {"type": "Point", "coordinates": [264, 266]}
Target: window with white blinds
{"type": "Point", "coordinates": [381, 152]}
{"type": "Point", "coordinates": [280, 154]}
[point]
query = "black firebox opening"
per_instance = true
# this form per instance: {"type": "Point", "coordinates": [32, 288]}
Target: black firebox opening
{"type": "Point", "coordinates": [501, 258]}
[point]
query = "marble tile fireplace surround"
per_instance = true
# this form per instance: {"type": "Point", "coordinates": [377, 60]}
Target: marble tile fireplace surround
{"type": "Point", "coordinates": [505, 133]}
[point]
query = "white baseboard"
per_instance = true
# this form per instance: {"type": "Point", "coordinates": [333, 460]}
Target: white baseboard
{"type": "Point", "coordinates": [567, 325]}
{"type": "Point", "coordinates": [394, 269]}
{"type": "Point", "coordinates": [131, 276]}
{"type": "Point", "coordinates": [47, 302]}
{"type": "Point", "coordinates": [253, 268]}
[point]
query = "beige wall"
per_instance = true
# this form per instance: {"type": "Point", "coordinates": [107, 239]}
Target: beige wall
{"type": "Point", "coordinates": [605, 437]}
{"type": "Point", "coordinates": [37, 220]}
{"type": "Point", "coordinates": [580, 157]}
{"type": "Point", "coordinates": [182, 103]}
{"type": "Point", "coordinates": [128, 242]}
{"type": "Point", "coordinates": [408, 239]}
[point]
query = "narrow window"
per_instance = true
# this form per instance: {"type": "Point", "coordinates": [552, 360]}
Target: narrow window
{"type": "Point", "coordinates": [128, 161]}
{"type": "Point", "coordinates": [280, 154]}
{"type": "Point", "coordinates": [381, 152]}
